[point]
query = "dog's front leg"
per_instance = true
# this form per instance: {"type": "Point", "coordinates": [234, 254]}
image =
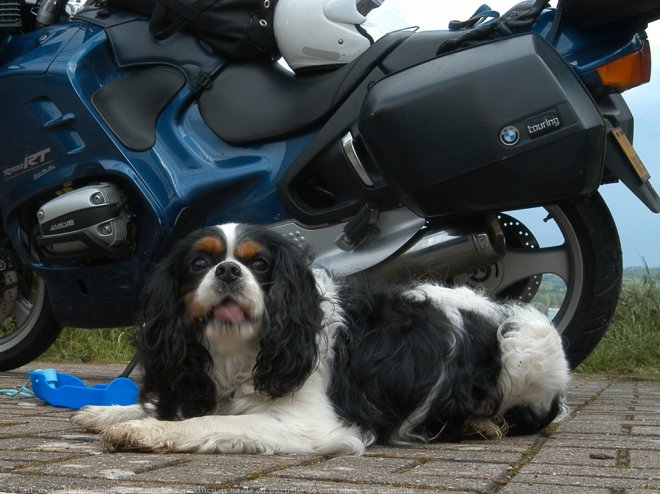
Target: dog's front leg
{"type": "Point", "coordinates": [253, 433]}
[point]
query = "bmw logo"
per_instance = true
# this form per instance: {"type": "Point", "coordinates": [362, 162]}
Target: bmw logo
{"type": "Point", "coordinates": [509, 136]}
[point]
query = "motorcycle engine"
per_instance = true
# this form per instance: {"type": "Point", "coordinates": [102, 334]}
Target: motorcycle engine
{"type": "Point", "coordinates": [85, 223]}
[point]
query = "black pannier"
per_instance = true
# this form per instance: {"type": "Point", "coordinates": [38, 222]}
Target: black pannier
{"type": "Point", "coordinates": [239, 29]}
{"type": "Point", "coordinates": [541, 136]}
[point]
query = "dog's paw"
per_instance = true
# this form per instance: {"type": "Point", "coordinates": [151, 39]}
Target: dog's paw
{"type": "Point", "coordinates": [91, 418]}
{"type": "Point", "coordinates": [98, 418]}
{"type": "Point", "coordinates": [148, 435]}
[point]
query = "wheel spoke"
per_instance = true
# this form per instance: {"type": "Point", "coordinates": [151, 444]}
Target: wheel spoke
{"type": "Point", "coordinates": [21, 310]}
{"type": "Point", "coordinates": [524, 263]}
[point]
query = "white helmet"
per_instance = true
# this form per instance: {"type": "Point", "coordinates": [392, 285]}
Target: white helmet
{"type": "Point", "coordinates": [313, 33]}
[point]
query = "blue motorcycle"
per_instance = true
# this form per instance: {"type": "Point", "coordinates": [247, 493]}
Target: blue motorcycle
{"type": "Point", "coordinates": [428, 155]}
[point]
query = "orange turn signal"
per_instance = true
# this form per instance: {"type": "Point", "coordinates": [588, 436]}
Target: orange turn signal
{"type": "Point", "coordinates": [628, 71]}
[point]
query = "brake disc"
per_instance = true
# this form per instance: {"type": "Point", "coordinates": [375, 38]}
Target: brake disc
{"type": "Point", "coordinates": [8, 283]}
{"type": "Point", "coordinates": [518, 235]}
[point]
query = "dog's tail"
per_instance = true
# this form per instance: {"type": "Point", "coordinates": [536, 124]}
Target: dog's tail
{"type": "Point", "coordinates": [535, 372]}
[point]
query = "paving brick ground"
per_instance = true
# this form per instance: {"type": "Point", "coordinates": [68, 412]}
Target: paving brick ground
{"type": "Point", "coordinates": [610, 445]}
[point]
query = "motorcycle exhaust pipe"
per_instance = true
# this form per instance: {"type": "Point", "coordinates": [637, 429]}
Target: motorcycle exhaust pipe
{"type": "Point", "coordinates": [445, 252]}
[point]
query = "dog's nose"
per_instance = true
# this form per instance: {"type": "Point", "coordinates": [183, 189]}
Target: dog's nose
{"type": "Point", "coordinates": [228, 271]}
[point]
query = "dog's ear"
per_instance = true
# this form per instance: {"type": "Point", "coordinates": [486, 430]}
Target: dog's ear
{"type": "Point", "coordinates": [289, 337]}
{"type": "Point", "coordinates": [175, 363]}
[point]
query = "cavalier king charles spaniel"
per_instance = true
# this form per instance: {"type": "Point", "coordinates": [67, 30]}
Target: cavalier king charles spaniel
{"type": "Point", "coordinates": [246, 349]}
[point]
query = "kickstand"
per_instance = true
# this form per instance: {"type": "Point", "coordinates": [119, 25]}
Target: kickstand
{"type": "Point", "coordinates": [131, 365]}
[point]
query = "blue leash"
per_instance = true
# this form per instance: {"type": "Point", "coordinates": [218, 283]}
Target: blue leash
{"type": "Point", "coordinates": [22, 392]}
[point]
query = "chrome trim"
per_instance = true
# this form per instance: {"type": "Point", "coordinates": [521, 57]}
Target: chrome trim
{"type": "Point", "coordinates": [354, 160]}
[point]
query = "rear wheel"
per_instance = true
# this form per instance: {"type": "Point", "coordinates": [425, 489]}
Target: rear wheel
{"type": "Point", "coordinates": [582, 265]}
{"type": "Point", "coordinates": [27, 324]}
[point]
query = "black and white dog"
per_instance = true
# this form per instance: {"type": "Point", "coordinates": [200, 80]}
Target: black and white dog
{"type": "Point", "coordinates": [245, 349]}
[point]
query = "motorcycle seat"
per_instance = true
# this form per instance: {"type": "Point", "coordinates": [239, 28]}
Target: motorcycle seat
{"type": "Point", "coordinates": [421, 47]}
{"type": "Point", "coordinates": [252, 102]}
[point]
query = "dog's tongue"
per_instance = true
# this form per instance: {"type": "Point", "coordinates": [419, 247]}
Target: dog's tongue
{"type": "Point", "coordinates": [229, 312]}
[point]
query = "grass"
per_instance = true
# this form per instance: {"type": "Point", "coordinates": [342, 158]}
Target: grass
{"type": "Point", "coordinates": [632, 343]}
{"type": "Point", "coordinates": [92, 346]}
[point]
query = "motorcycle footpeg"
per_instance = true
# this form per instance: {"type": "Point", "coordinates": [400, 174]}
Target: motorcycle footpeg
{"type": "Point", "coordinates": [358, 227]}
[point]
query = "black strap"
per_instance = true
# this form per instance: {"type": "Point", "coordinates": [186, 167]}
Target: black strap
{"type": "Point", "coordinates": [187, 9]}
{"type": "Point", "coordinates": [171, 16]}
{"type": "Point", "coordinates": [556, 22]}
{"type": "Point", "coordinates": [130, 367]}
{"type": "Point", "coordinates": [481, 15]}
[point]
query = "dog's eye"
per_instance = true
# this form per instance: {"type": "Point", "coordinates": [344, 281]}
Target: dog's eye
{"type": "Point", "coordinates": [259, 265]}
{"type": "Point", "coordinates": [199, 263]}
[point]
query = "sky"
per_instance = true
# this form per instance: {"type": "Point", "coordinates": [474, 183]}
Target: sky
{"type": "Point", "coordinates": [639, 228]}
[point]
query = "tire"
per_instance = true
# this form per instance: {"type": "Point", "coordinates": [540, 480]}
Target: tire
{"type": "Point", "coordinates": [27, 324]}
{"type": "Point", "coordinates": [588, 260]}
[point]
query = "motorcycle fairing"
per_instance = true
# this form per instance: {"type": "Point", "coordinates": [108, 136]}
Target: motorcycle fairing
{"type": "Point", "coordinates": [189, 169]}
